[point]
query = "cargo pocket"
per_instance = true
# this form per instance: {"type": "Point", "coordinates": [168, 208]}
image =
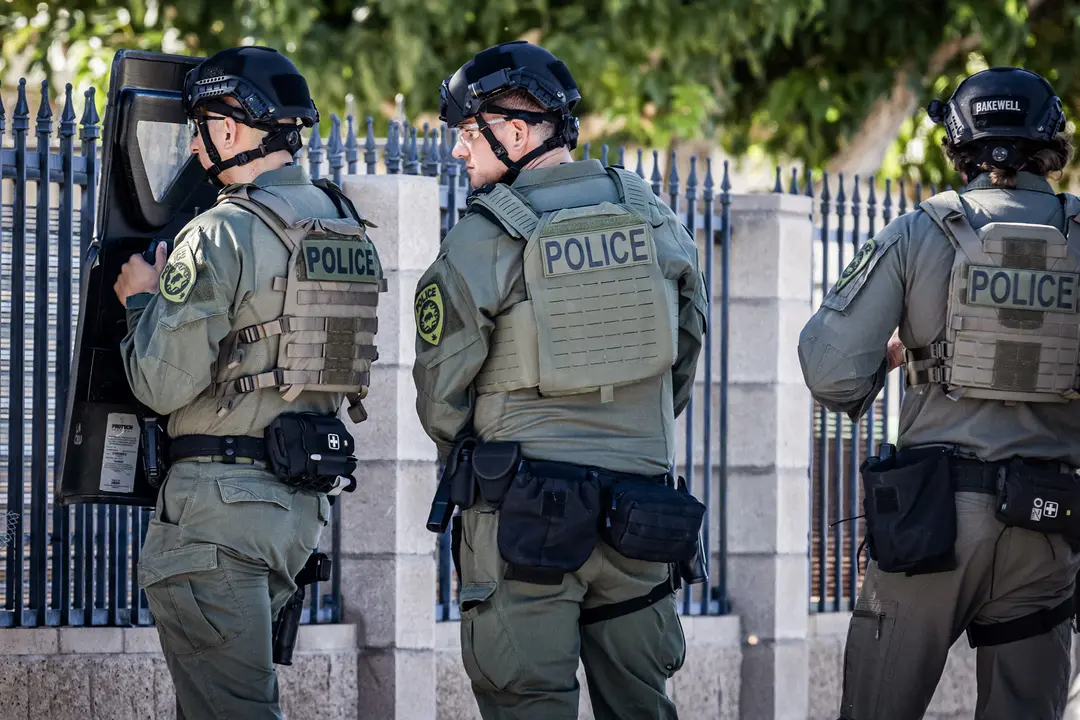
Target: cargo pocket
{"type": "Point", "coordinates": [487, 648]}
{"type": "Point", "coordinates": [191, 598]}
{"type": "Point", "coordinates": [262, 488]}
{"type": "Point", "coordinates": [478, 552]}
{"type": "Point", "coordinates": [674, 642]}
{"type": "Point", "coordinates": [866, 656]}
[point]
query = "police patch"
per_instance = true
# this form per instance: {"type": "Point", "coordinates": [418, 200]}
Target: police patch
{"type": "Point", "coordinates": [178, 277]}
{"type": "Point", "coordinates": [858, 271]}
{"type": "Point", "coordinates": [857, 264]}
{"type": "Point", "coordinates": [1022, 289]}
{"type": "Point", "coordinates": [430, 314]}
{"type": "Point", "coordinates": [341, 260]}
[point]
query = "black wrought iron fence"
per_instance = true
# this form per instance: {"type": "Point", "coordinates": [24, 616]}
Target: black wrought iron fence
{"type": "Point", "coordinates": [838, 446]}
{"type": "Point", "coordinates": [75, 565]}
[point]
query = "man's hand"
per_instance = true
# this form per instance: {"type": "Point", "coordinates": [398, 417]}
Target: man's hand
{"type": "Point", "coordinates": [895, 350]}
{"type": "Point", "coordinates": [137, 276]}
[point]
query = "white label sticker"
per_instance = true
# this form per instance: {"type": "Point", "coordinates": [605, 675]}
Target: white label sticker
{"type": "Point", "coordinates": [120, 454]}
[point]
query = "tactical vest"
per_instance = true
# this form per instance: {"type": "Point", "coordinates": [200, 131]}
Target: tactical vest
{"type": "Point", "coordinates": [599, 312]}
{"type": "Point", "coordinates": [1012, 326]}
{"type": "Point", "coordinates": [332, 284]}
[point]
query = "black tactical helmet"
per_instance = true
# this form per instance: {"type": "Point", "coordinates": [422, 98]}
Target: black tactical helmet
{"type": "Point", "coordinates": [513, 66]}
{"type": "Point", "coordinates": [1000, 103]}
{"type": "Point", "coordinates": [271, 92]}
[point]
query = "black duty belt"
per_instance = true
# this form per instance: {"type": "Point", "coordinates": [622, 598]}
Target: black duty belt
{"type": "Point", "coordinates": [971, 475]}
{"type": "Point", "coordinates": [570, 471]}
{"type": "Point", "coordinates": [218, 448]}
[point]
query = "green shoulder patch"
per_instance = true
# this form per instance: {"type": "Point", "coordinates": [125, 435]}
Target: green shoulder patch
{"type": "Point", "coordinates": [178, 278]}
{"type": "Point", "coordinates": [855, 275]}
{"type": "Point", "coordinates": [857, 264]}
{"type": "Point", "coordinates": [430, 313]}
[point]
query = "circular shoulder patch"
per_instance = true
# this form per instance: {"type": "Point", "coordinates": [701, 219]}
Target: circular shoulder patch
{"type": "Point", "coordinates": [178, 277]}
{"type": "Point", "coordinates": [857, 264]}
{"type": "Point", "coordinates": [430, 313]}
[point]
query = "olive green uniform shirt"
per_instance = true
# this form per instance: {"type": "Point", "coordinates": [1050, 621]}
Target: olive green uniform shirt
{"type": "Point", "coordinates": [479, 273]}
{"type": "Point", "coordinates": [174, 349]}
{"type": "Point", "coordinates": [905, 284]}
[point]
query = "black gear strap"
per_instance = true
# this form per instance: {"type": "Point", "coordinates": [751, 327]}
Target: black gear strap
{"type": "Point", "coordinates": [1021, 628]}
{"type": "Point", "coordinates": [514, 168]}
{"type": "Point", "coordinates": [601, 613]}
{"type": "Point", "coordinates": [281, 138]}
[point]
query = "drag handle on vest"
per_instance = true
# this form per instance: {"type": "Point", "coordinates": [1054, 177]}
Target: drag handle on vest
{"type": "Point", "coordinates": [455, 483]}
{"type": "Point", "coordinates": [287, 625]}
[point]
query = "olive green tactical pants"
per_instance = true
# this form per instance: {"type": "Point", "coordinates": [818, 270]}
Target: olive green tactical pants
{"type": "Point", "coordinates": [520, 642]}
{"type": "Point", "coordinates": [903, 627]}
{"type": "Point", "coordinates": [217, 565]}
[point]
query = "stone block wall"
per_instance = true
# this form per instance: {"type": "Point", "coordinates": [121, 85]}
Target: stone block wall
{"type": "Point", "coordinates": [120, 674]}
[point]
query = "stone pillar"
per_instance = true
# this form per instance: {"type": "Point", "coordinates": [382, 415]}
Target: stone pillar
{"type": "Point", "coordinates": [769, 449]}
{"type": "Point", "coordinates": [388, 565]}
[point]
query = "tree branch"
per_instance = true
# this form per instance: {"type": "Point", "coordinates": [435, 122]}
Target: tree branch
{"type": "Point", "coordinates": [866, 150]}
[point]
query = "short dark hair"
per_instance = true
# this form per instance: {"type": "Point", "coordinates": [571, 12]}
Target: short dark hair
{"type": "Point", "coordinates": [520, 100]}
{"type": "Point", "coordinates": [1043, 158]}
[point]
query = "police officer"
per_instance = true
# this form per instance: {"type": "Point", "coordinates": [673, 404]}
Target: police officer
{"type": "Point", "coordinates": [972, 518]}
{"type": "Point", "coordinates": [558, 332]}
{"type": "Point", "coordinates": [228, 335]}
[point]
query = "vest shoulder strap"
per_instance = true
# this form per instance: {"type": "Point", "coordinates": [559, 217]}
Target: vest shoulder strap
{"type": "Point", "coordinates": [1071, 204]}
{"type": "Point", "coordinates": [242, 198]}
{"type": "Point", "coordinates": [633, 190]}
{"type": "Point", "coordinates": [509, 208]}
{"type": "Point", "coordinates": [947, 211]}
{"type": "Point", "coordinates": [280, 215]}
{"type": "Point", "coordinates": [342, 202]}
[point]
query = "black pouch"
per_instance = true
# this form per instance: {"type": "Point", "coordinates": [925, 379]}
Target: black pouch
{"type": "Point", "coordinates": [548, 525]}
{"type": "Point", "coordinates": [1046, 501]}
{"type": "Point", "coordinates": [494, 465]}
{"type": "Point", "coordinates": [460, 474]}
{"type": "Point", "coordinates": [310, 451]}
{"type": "Point", "coordinates": [910, 512]}
{"type": "Point", "coordinates": [653, 521]}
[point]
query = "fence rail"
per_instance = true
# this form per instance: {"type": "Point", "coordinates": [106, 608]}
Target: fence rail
{"type": "Point", "coordinates": [76, 565]}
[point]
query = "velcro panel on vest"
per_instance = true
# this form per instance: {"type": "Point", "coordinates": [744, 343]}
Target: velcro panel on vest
{"type": "Point", "coordinates": [1013, 325]}
{"type": "Point", "coordinates": [599, 299]}
{"type": "Point", "coordinates": [511, 209]}
{"type": "Point", "coordinates": [334, 357]}
{"type": "Point", "coordinates": [337, 297]}
{"type": "Point", "coordinates": [331, 289]}
{"type": "Point", "coordinates": [254, 333]}
{"type": "Point", "coordinates": [512, 362]}
{"type": "Point", "coordinates": [346, 351]}
{"type": "Point", "coordinates": [297, 378]}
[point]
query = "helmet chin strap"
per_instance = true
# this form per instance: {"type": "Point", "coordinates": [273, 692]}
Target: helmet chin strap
{"type": "Point", "coordinates": [287, 138]}
{"type": "Point", "coordinates": [514, 167]}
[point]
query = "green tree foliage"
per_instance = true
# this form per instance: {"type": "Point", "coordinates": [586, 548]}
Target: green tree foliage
{"type": "Point", "coordinates": [790, 79]}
